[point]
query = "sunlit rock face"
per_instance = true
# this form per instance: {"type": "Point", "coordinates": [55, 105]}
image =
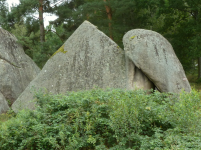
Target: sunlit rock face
{"type": "Point", "coordinates": [17, 70]}
{"type": "Point", "coordinates": [155, 57]}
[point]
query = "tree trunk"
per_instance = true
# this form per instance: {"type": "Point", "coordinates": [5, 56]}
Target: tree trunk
{"type": "Point", "coordinates": [199, 68]}
{"type": "Point", "coordinates": [109, 15]}
{"type": "Point", "coordinates": [42, 31]}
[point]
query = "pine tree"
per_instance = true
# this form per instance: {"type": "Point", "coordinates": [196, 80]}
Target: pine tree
{"type": "Point", "coordinates": [27, 9]}
{"type": "Point", "coordinates": [115, 17]}
{"type": "Point", "coordinates": [69, 16]}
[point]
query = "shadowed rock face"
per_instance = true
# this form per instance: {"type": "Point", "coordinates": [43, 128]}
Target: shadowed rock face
{"type": "Point", "coordinates": [154, 55]}
{"type": "Point", "coordinates": [88, 59]}
{"type": "Point", "coordinates": [17, 70]}
{"type": "Point", "coordinates": [136, 78]}
{"type": "Point", "coordinates": [3, 104]}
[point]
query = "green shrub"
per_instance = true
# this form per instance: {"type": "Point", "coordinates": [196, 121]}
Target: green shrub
{"type": "Point", "coordinates": [6, 116]}
{"type": "Point", "coordinates": [106, 119]}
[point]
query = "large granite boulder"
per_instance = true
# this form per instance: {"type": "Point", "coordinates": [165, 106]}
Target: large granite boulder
{"type": "Point", "coordinates": [3, 104]}
{"type": "Point", "coordinates": [88, 59]}
{"type": "Point", "coordinates": [154, 55]}
{"type": "Point", "coordinates": [17, 70]}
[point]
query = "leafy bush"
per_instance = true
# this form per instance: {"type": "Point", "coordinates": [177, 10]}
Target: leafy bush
{"type": "Point", "coordinates": [6, 116]}
{"type": "Point", "coordinates": [106, 119]}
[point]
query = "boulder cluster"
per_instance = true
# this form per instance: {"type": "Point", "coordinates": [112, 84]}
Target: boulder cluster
{"type": "Point", "coordinates": [90, 59]}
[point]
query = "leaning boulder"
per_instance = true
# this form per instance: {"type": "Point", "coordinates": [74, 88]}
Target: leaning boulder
{"type": "Point", "coordinates": [3, 104]}
{"type": "Point", "coordinates": [154, 55]}
{"type": "Point", "coordinates": [17, 69]}
{"type": "Point", "coordinates": [88, 59]}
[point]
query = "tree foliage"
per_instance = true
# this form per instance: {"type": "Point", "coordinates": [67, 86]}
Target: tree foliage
{"type": "Point", "coordinates": [5, 19]}
{"type": "Point", "coordinates": [182, 26]}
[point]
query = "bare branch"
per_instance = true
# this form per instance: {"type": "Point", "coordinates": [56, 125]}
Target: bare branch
{"type": "Point", "coordinates": [55, 33]}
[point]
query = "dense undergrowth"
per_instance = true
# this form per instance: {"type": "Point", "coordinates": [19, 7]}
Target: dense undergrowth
{"type": "Point", "coordinates": [106, 119]}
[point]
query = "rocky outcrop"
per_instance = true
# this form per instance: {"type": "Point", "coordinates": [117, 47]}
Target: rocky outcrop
{"type": "Point", "coordinates": [88, 59]}
{"type": "Point", "coordinates": [155, 57]}
{"type": "Point", "coordinates": [3, 104]}
{"type": "Point", "coordinates": [17, 70]}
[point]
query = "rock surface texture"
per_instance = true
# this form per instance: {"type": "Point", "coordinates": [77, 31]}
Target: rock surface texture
{"type": "Point", "coordinates": [17, 70]}
{"type": "Point", "coordinates": [3, 104]}
{"type": "Point", "coordinates": [88, 59]}
{"type": "Point", "coordinates": [136, 79]}
{"type": "Point", "coordinates": [155, 57]}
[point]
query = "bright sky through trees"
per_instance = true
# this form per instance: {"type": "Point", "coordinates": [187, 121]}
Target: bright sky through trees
{"type": "Point", "coordinates": [47, 17]}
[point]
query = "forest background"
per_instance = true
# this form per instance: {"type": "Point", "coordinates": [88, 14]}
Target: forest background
{"type": "Point", "coordinates": [179, 21]}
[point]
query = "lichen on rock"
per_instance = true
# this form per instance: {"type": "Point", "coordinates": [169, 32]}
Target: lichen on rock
{"type": "Point", "coordinates": [61, 49]}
